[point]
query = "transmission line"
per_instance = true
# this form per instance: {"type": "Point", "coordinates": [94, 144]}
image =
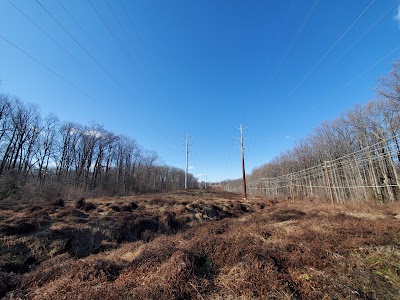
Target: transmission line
{"type": "Point", "coordinates": [110, 31]}
{"type": "Point", "coordinates": [118, 42]}
{"type": "Point", "coordinates": [44, 32]}
{"type": "Point", "coordinates": [330, 49]}
{"type": "Point", "coordinates": [69, 14]}
{"type": "Point", "coordinates": [134, 63]}
{"type": "Point", "coordinates": [359, 75]}
{"type": "Point", "coordinates": [301, 29]}
{"type": "Point", "coordinates": [298, 34]}
{"type": "Point", "coordinates": [283, 26]}
{"type": "Point", "coordinates": [130, 20]}
{"type": "Point", "coordinates": [46, 67]}
{"type": "Point", "coordinates": [114, 36]}
{"type": "Point", "coordinates": [366, 32]}
{"type": "Point", "coordinates": [86, 51]}
{"type": "Point", "coordinates": [120, 24]}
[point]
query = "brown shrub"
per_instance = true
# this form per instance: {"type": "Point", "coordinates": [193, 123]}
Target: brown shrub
{"type": "Point", "coordinates": [236, 250]}
{"type": "Point", "coordinates": [84, 205]}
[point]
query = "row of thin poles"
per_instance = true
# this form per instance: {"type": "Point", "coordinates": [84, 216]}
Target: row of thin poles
{"type": "Point", "coordinates": [370, 173]}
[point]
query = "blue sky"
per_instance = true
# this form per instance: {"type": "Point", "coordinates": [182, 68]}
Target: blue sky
{"type": "Point", "coordinates": [157, 70]}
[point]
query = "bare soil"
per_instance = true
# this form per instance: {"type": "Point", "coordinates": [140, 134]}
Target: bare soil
{"type": "Point", "coordinates": [198, 245]}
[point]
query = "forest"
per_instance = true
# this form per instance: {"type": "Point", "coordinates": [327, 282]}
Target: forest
{"type": "Point", "coordinates": [49, 158]}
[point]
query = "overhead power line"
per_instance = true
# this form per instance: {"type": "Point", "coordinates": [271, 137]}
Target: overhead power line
{"type": "Point", "coordinates": [120, 44]}
{"type": "Point", "coordinates": [44, 32]}
{"type": "Point", "coordinates": [330, 49]}
{"type": "Point", "coordinates": [112, 34]}
{"type": "Point", "coordinates": [373, 66]}
{"type": "Point", "coordinates": [301, 29]}
{"type": "Point", "coordinates": [120, 24]}
{"type": "Point", "coordinates": [122, 47]}
{"type": "Point", "coordinates": [359, 75]}
{"type": "Point", "coordinates": [130, 20]}
{"type": "Point", "coordinates": [297, 36]}
{"type": "Point", "coordinates": [369, 29]}
{"type": "Point", "coordinates": [70, 15]}
{"type": "Point", "coordinates": [86, 51]}
{"type": "Point", "coordinates": [46, 67]}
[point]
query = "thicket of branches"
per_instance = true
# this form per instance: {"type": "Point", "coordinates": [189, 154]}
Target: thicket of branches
{"type": "Point", "coordinates": [42, 151]}
{"type": "Point", "coordinates": [361, 126]}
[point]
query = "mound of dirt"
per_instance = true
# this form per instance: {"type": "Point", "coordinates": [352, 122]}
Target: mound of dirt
{"type": "Point", "coordinates": [59, 203]}
{"type": "Point", "coordinates": [84, 205]}
{"type": "Point", "coordinates": [287, 214]}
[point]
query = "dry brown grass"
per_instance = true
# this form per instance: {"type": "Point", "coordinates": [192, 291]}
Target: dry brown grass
{"type": "Point", "coordinates": [200, 245]}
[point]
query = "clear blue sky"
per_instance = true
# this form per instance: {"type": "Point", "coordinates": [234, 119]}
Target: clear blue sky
{"type": "Point", "coordinates": [166, 68]}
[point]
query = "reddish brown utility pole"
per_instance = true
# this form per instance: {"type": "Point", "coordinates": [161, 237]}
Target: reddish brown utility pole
{"type": "Point", "coordinates": [243, 169]}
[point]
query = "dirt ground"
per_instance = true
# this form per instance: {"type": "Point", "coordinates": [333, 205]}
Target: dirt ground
{"type": "Point", "coordinates": [198, 245]}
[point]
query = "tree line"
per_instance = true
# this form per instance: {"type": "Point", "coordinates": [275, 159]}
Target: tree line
{"type": "Point", "coordinates": [42, 150]}
{"type": "Point", "coordinates": [358, 128]}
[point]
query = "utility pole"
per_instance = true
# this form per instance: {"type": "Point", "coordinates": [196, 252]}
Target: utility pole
{"type": "Point", "coordinates": [243, 169]}
{"type": "Point", "coordinates": [187, 161]}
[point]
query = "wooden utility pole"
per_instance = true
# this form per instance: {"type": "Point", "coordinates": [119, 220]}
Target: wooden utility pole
{"type": "Point", "coordinates": [187, 161]}
{"type": "Point", "coordinates": [243, 169]}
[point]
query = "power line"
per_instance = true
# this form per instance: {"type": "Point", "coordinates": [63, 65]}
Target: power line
{"type": "Point", "coordinates": [77, 23]}
{"type": "Point", "coordinates": [311, 11]}
{"type": "Point", "coordinates": [373, 66]}
{"type": "Point", "coordinates": [359, 75]}
{"type": "Point", "coordinates": [300, 31]}
{"type": "Point", "coordinates": [366, 32]}
{"type": "Point", "coordinates": [283, 26]}
{"type": "Point", "coordinates": [130, 20]}
{"type": "Point", "coordinates": [86, 51]}
{"type": "Point", "coordinates": [122, 27]}
{"type": "Point", "coordinates": [330, 49]}
{"type": "Point", "coordinates": [277, 38]}
{"type": "Point", "coordinates": [44, 32]}
{"type": "Point", "coordinates": [46, 67]}
{"type": "Point", "coordinates": [112, 34]}
{"type": "Point", "coordinates": [91, 37]}
{"type": "Point", "coordinates": [69, 14]}
{"type": "Point", "coordinates": [298, 34]}
{"type": "Point", "coordinates": [134, 63]}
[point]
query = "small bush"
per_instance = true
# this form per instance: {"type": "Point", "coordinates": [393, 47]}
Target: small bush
{"type": "Point", "coordinates": [84, 205]}
{"type": "Point", "coordinates": [9, 184]}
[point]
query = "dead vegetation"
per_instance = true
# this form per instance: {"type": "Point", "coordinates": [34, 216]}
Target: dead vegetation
{"type": "Point", "coordinates": [198, 245]}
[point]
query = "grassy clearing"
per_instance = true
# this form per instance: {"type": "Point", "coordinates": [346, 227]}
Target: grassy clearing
{"type": "Point", "coordinates": [199, 245]}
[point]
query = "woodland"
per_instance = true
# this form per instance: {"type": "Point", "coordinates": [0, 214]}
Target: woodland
{"type": "Point", "coordinates": [40, 156]}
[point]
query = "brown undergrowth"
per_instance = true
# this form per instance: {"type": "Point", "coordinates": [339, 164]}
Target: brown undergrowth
{"type": "Point", "coordinates": [199, 245]}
